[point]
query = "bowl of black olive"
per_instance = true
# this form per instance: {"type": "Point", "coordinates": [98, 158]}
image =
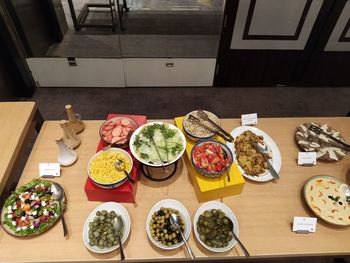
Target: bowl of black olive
{"type": "Point", "coordinates": [213, 224]}
{"type": "Point", "coordinates": [158, 226]}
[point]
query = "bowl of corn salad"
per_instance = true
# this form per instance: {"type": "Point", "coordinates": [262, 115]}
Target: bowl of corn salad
{"type": "Point", "coordinates": [102, 169]}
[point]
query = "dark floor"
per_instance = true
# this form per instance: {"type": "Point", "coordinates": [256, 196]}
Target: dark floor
{"type": "Point", "coordinates": [96, 103]}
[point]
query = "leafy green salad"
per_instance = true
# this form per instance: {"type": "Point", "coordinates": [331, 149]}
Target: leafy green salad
{"type": "Point", "coordinates": [158, 143]}
{"type": "Point", "coordinates": [31, 209]}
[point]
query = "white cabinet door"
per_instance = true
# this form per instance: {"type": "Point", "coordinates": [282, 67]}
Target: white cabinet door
{"type": "Point", "coordinates": [79, 72]}
{"type": "Point", "coordinates": [169, 72]}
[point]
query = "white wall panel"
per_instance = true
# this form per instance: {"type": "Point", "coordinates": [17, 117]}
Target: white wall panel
{"type": "Point", "coordinates": [270, 27]}
{"type": "Point", "coordinates": [276, 17]}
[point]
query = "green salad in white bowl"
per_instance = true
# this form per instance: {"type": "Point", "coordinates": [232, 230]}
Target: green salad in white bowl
{"type": "Point", "coordinates": [157, 144]}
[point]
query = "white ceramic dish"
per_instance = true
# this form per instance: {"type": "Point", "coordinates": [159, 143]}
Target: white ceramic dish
{"type": "Point", "coordinates": [169, 203]}
{"type": "Point", "coordinates": [276, 155]}
{"type": "Point", "coordinates": [136, 155]}
{"type": "Point", "coordinates": [109, 206]}
{"type": "Point", "coordinates": [228, 212]}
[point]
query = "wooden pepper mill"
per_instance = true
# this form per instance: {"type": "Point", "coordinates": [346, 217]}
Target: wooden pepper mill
{"type": "Point", "coordinates": [70, 137]}
{"type": "Point", "coordinates": [74, 120]}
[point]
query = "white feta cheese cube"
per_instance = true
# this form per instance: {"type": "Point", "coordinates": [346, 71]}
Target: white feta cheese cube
{"type": "Point", "coordinates": [43, 203]}
{"type": "Point", "coordinates": [9, 216]}
{"type": "Point", "coordinates": [23, 218]}
{"type": "Point", "coordinates": [18, 229]}
{"type": "Point", "coordinates": [32, 227]}
{"type": "Point", "coordinates": [14, 223]}
{"type": "Point", "coordinates": [14, 207]}
{"type": "Point", "coordinates": [24, 227]}
{"type": "Point", "coordinates": [34, 213]}
{"type": "Point", "coordinates": [45, 212]}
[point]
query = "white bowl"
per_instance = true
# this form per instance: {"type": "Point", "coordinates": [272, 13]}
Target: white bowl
{"type": "Point", "coordinates": [136, 155]}
{"type": "Point", "coordinates": [170, 203]}
{"type": "Point", "coordinates": [117, 183]}
{"type": "Point", "coordinates": [228, 212]}
{"type": "Point", "coordinates": [119, 210]}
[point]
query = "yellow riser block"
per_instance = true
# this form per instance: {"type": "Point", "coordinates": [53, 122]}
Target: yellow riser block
{"type": "Point", "coordinates": [211, 188]}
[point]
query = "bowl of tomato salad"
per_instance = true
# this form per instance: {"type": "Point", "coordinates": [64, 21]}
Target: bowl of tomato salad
{"type": "Point", "coordinates": [211, 158]}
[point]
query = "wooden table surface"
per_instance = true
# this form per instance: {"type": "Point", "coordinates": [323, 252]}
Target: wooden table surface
{"type": "Point", "coordinates": [15, 120]}
{"type": "Point", "coordinates": [264, 210]}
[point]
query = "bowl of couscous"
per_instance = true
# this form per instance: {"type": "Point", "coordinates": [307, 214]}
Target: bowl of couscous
{"type": "Point", "coordinates": [103, 171]}
{"type": "Point", "coordinates": [194, 129]}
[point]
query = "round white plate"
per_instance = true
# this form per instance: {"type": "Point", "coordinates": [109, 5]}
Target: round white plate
{"type": "Point", "coordinates": [109, 206]}
{"type": "Point", "coordinates": [276, 155]}
{"type": "Point", "coordinates": [228, 212]}
{"type": "Point", "coordinates": [170, 203]}
{"type": "Point", "coordinates": [139, 129]}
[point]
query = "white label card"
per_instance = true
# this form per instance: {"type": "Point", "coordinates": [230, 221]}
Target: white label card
{"type": "Point", "coordinates": [249, 119]}
{"type": "Point", "coordinates": [49, 169]}
{"type": "Point", "coordinates": [304, 224]}
{"type": "Point", "coordinates": [307, 158]}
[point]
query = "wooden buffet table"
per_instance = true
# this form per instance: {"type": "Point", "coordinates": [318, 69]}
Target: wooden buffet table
{"type": "Point", "coordinates": [16, 119]}
{"type": "Point", "coordinates": [264, 210]}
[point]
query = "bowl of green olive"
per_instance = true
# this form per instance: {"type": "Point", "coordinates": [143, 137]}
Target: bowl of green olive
{"type": "Point", "coordinates": [98, 232]}
{"type": "Point", "coordinates": [158, 226]}
{"type": "Point", "coordinates": [213, 224]}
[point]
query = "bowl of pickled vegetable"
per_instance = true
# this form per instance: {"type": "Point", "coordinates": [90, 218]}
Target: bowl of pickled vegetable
{"type": "Point", "coordinates": [211, 225]}
{"type": "Point", "coordinates": [211, 158]}
{"type": "Point", "coordinates": [102, 169]}
{"type": "Point", "coordinates": [158, 225]}
{"type": "Point", "coordinates": [98, 232]}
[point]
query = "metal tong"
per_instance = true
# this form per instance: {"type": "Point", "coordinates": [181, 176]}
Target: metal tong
{"type": "Point", "coordinates": [218, 130]}
{"type": "Point", "coordinates": [318, 130]}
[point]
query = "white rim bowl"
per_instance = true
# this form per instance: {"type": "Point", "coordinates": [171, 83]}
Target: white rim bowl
{"type": "Point", "coordinates": [118, 183]}
{"type": "Point", "coordinates": [228, 212]}
{"type": "Point", "coordinates": [170, 203]}
{"type": "Point", "coordinates": [109, 206]}
{"type": "Point", "coordinates": [135, 154]}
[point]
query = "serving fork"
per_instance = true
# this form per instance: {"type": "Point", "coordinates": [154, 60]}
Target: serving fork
{"type": "Point", "coordinates": [205, 116]}
{"type": "Point", "coordinates": [318, 130]}
{"type": "Point", "coordinates": [217, 132]}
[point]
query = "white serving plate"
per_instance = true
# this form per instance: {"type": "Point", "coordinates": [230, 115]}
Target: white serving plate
{"type": "Point", "coordinates": [228, 212]}
{"type": "Point", "coordinates": [109, 206]}
{"type": "Point", "coordinates": [276, 160]}
{"type": "Point", "coordinates": [170, 203]}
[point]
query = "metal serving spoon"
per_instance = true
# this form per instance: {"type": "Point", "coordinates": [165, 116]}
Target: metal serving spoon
{"type": "Point", "coordinates": [119, 166]}
{"type": "Point", "coordinates": [176, 225]}
{"type": "Point", "coordinates": [58, 195]}
{"type": "Point", "coordinates": [118, 226]}
{"type": "Point", "coordinates": [230, 225]}
{"type": "Point", "coordinates": [262, 148]}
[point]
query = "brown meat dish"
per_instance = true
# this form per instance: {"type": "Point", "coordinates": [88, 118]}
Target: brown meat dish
{"type": "Point", "coordinates": [251, 161]}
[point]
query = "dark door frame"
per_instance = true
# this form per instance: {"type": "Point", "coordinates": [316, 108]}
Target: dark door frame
{"type": "Point", "coordinates": [288, 74]}
{"type": "Point", "coordinates": [17, 54]}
